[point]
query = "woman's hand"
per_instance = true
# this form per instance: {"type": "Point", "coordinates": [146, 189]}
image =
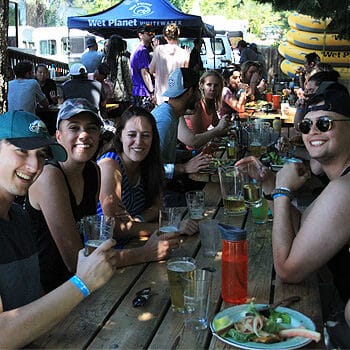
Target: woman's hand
{"type": "Point", "coordinates": [158, 247]}
{"type": "Point", "coordinates": [188, 227]}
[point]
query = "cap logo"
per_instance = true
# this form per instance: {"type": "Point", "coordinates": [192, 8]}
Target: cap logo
{"type": "Point", "coordinates": [38, 127]}
{"type": "Point", "coordinates": [171, 82]}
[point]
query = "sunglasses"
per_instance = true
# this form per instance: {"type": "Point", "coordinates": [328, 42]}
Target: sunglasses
{"type": "Point", "coordinates": [323, 124]}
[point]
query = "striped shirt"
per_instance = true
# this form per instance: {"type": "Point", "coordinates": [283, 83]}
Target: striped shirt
{"type": "Point", "coordinates": [133, 197]}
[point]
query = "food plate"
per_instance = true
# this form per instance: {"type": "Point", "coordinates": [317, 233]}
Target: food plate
{"type": "Point", "coordinates": [236, 313]}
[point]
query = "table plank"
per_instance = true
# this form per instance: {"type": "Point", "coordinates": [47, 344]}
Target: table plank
{"type": "Point", "coordinates": [80, 326]}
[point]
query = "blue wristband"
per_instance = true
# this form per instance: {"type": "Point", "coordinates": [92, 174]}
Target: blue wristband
{"type": "Point", "coordinates": [140, 217]}
{"type": "Point", "coordinates": [80, 285]}
{"type": "Point", "coordinates": [279, 195]}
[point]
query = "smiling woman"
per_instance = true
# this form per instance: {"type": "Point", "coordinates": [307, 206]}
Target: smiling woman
{"type": "Point", "coordinates": [131, 169]}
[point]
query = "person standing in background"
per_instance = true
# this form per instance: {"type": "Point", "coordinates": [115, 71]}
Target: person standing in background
{"type": "Point", "coordinates": [143, 90]}
{"type": "Point", "coordinates": [166, 58]}
{"type": "Point", "coordinates": [120, 74]}
{"type": "Point", "coordinates": [24, 92]}
{"type": "Point", "coordinates": [247, 54]}
{"type": "Point", "coordinates": [196, 62]}
{"type": "Point", "coordinates": [91, 58]}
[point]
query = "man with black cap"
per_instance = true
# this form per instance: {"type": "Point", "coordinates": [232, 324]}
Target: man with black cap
{"type": "Point", "coordinates": [304, 242]}
{"type": "Point", "coordinates": [24, 313]}
{"type": "Point", "coordinates": [142, 89]}
{"type": "Point", "coordinates": [91, 58]}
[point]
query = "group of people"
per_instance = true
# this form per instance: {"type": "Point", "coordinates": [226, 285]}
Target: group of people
{"type": "Point", "coordinates": [130, 169]}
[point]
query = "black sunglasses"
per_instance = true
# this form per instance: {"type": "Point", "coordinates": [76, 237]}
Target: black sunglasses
{"type": "Point", "coordinates": [323, 124]}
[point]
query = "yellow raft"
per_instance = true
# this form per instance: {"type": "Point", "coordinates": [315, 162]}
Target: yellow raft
{"type": "Point", "coordinates": [317, 41]}
{"type": "Point", "coordinates": [289, 68]}
{"type": "Point", "coordinates": [297, 54]}
{"type": "Point", "coordinates": [307, 23]}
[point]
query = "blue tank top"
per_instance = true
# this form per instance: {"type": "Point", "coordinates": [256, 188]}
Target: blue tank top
{"type": "Point", "coordinates": [133, 197]}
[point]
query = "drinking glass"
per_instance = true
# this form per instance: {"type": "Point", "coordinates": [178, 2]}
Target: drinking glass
{"type": "Point", "coordinates": [95, 230]}
{"type": "Point", "coordinates": [195, 204]}
{"type": "Point", "coordinates": [252, 188]}
{"type": "Point", "coordinates": [231, 184]}
{"type": "Point", "coordinates": [178, 268]}
{"type": "Point", "coordinates": [169, 219]}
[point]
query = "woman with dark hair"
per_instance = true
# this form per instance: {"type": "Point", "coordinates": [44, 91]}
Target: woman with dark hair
{"type": "Point", "coordinates": [251, 74]}
{"type": "Point", "coordinates": [234, 94]}
{"type": "Point", "coordinates": [132, 175]}
{"type": "Point", "coordinates": [120, 74]}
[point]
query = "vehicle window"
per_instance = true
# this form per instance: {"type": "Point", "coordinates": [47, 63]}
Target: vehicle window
{"type": "Point", "coordinates": [48, 47]}
{"type": "Point", "coordinates": [218, 46]}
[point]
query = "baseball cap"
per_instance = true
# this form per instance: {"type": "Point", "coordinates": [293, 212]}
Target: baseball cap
{"type": "Point", "coordinates": [91, 42]}
{"type": "Point", "coordinates": [335, 96]}
{"type": "Point", "coordinates": [77, 69]}
{"type": "Point", "coordinates": [74, 106]}
{"type": "Point", "coordinates": [27, 131]}
{"type": "Point", "coordinates": [148, 28]}
{"type": "Point", "coordinates": [180, 80]}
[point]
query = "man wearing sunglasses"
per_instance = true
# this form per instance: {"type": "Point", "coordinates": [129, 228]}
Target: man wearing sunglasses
{"type": "Point", "coordinates": [142, 89]}
{"type": "Point", "coordinates": [304, 242]}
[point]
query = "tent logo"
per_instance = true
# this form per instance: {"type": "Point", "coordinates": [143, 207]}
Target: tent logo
{"type": "Point", "coordinates": [141, 9]}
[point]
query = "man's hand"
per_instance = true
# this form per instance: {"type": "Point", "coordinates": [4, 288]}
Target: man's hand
{"type": "Point", "coordinates": [197, 163]}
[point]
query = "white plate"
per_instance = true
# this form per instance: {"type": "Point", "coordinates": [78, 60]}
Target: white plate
{"type": "Point", "coordinates": [236, 313]}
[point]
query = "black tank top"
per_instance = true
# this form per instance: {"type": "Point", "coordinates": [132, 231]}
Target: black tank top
{"type": "Point", "coordinates": [53, 271]}
{"type": "Point", "coordinates": [339, 266]}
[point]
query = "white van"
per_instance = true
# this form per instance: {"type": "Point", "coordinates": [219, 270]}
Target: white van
{"type": "Point", "coordinates": [215, 52]}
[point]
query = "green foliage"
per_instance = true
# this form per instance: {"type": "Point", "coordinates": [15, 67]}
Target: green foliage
{"type": "Point", "coordinates": [339, 11]}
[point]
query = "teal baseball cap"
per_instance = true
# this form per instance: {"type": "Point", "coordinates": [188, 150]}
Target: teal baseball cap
{"type": "Point", "coordinates": [27, 131]}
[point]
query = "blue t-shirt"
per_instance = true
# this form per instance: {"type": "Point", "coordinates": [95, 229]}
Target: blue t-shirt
{"type": "Point", "coordinates": [167, 124]}
{"type": "Point", "coordinates": [24, 94]}
{"type": "Point", "coordinates": [91, 59]}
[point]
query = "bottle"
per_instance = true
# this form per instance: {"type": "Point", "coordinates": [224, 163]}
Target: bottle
{"type": "Point", "coordinates": [52, 72]}
{"type": "Point", "coordinates": [237, 128]}
{"type": "Point", "coordinates": [277, 125]}
{"type": "Point", "coordinates": [234, 274]}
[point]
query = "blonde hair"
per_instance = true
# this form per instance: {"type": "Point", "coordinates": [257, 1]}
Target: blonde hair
{"type": "Point", "coordinates": [217, 75]}
{"type": "Point", "coordinates": [171, 31]}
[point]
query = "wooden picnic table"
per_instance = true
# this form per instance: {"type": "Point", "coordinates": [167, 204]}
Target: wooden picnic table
{"type": "Point", "coordinates": [107, 319]}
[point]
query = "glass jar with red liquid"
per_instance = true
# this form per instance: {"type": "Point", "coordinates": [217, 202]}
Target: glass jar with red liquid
{"type": "Point", "coordinates": [234, 275]}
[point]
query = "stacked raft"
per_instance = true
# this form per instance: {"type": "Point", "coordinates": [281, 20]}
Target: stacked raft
{"type": "Point", "coordinates": [308, 35]}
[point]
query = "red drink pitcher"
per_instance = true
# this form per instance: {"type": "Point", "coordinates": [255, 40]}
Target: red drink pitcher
{"type": "Point", "coordinates": [234, 277]}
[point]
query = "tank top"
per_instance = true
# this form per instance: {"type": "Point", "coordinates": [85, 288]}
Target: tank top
{"type": "Point", "coordinates": [133, 197]}
{"type": "Point", "coordinates": [53, 271]}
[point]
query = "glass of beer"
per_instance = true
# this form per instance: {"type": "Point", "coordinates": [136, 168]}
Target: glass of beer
{"type": "Point", "coordinates": [231, 184]}
{"type": "Point", "coordinates": [177, 269]}
{"type": "Point", "coordinates": [252, 188]}
{"type": "Point", "coordinates": [169, 219]}
{"type": "Point", "coordinates": [95, 230]}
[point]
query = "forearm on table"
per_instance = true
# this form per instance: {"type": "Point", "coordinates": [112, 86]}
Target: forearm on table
{"type": "Point", "coordinates": [132, 256]}
{"type": "Point", "coordinates": [21, 326]}
{"type": "Point", "coordinates": [132, 229]}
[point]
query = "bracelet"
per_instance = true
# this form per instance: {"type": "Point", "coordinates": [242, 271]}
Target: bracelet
{"type": "Point", "coordinates": [140, 217]}
{"type": "Point", "coordinates": [80, 285]}
{"type": "Point", "coordinates": [267, 196]}
{"type": "Point", "coordinates": [282, 191]}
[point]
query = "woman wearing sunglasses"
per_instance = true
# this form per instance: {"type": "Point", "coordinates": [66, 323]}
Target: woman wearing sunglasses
{"type": "Point", "coordinates": [304, 242]}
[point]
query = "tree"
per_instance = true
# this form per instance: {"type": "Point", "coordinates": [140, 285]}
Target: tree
{"type": "Point", "coordinates": [338, 10]}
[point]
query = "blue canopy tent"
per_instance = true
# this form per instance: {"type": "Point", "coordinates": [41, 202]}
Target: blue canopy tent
{"type": "Point", "coordinates": [125, 17]}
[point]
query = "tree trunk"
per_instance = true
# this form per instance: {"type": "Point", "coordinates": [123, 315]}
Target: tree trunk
{"type": "Point", "coordinates": [4, 19]}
